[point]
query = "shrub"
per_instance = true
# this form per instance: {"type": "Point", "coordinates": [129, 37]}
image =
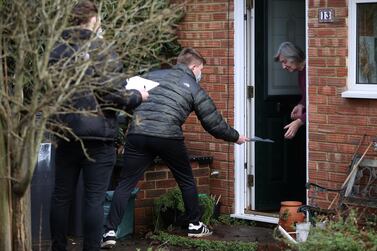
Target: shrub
{"type": "Point", "coordinates": [343, 234]}
{"type": "Point", "coordinates": [202, 244]}
{"type": "Point", "coordinates": [172, 202]}
{"type": "Point", "coordinates": [228, 220]}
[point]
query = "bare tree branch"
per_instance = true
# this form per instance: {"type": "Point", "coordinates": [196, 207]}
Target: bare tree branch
{"type": "Point", "coordinates": [34, 92]}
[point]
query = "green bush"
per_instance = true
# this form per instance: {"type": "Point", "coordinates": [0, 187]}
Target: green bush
{"type": "Point", "coordinates": [202, 244]}
{"type": "Point", "coordinates": [173, 200]}
{"type": "Point", "coordinates": [343, 234]}
{"type": "Point", "coordinates": [231, 221]}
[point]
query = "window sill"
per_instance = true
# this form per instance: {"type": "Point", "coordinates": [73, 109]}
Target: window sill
{"type": "Point", "coordinates": [359, 94]}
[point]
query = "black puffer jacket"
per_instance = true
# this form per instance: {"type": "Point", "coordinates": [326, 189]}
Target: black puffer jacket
{"type": "Point", "coordinates": [170, 103]}
{"type": "Point", "coordinates": [107, 88]}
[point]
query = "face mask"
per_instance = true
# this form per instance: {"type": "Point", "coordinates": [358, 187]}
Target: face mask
{"type": "Point", "coordinates": [198, 77]}
{"type": "Point", "coordinates": [99, 33]}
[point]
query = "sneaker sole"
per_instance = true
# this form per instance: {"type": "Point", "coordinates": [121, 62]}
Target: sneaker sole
{"type": "Point", "coordinates": [199, 235]}
{"type": "Point", "coordinates": [108, 244]}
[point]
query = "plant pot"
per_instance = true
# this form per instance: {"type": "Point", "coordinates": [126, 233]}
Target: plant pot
{"type": "Point", "coordinates": [288, 215]}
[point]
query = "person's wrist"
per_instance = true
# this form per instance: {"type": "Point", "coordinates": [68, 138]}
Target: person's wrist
{"type": "Point", "coordinates": [299, 122]}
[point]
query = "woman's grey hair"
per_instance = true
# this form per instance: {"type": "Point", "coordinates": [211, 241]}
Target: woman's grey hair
{"type": "Point", "coordinates": [290, 51]}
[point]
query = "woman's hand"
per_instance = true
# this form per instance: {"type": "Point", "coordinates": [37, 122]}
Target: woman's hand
{"type": "Point", "coordinates": [297, 111]}
{"type": "Point", "coordinates": [292, 128]}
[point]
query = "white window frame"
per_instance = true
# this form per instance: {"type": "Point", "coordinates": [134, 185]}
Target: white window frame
{"type": "Point", "coordinates": [354, 90]}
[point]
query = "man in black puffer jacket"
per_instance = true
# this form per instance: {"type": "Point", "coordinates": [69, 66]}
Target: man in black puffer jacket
{"type": "Point", "coordinates": [88, 118]}
{"type": "Point", "coordinates": [156, 130]}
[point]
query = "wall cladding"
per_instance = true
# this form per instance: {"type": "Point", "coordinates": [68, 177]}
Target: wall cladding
{"type": "Point", "coordinates": [208, 27]}
{"type": "Point", "coordinates": [157, 181]}
{"type": "Point", "coordinates": [336, 124]}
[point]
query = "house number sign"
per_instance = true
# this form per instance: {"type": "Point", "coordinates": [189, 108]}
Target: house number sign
{"type": "Point", "coordinates": [326, 15]}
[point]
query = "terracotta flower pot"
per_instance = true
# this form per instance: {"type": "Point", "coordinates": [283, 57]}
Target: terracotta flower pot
{"type": "Point", "coordinates": [288, 215]}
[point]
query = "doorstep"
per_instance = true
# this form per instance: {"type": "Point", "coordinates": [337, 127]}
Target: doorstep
{"type": "Point", "coordinates": [258, 216]}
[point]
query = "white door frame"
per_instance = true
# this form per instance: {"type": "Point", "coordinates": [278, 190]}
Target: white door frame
{"type": "Point", "coordinates": [239, 106]}
{"type": "Point", "coordinates": [241, 192]}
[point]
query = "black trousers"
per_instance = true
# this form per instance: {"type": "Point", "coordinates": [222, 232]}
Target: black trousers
{"type": "Point", "coordinates": [140, 151]}
{"type": "Point", "coordinates": [70, 159]}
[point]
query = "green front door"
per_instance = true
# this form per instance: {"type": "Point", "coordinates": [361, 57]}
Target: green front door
{"type": "Point", "coordinates": [280, 168]}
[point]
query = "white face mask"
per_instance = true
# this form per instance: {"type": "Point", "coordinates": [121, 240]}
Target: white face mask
{"type": "Point", "coordinates": [198, 77]}
{"type": "Point", "coordinates": [99, 32]}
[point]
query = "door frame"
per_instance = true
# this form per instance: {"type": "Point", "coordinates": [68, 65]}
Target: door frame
{"type": "Point", "coordinates": [242, 193]}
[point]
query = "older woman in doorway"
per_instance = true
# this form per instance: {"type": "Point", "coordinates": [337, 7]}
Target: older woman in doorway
{"type": "Point", "coordinates": [292, 59]}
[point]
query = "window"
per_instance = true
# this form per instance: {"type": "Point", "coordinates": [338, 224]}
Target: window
{"type": "Point", "coordinates": [362, 67]}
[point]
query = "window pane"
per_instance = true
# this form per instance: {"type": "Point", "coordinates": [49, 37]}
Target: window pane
{"type": "Point", "coordinates": [367, 43]}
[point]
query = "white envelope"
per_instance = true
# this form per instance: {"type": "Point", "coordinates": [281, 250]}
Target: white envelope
{"type": "Point", "coordinates": [138, 83]}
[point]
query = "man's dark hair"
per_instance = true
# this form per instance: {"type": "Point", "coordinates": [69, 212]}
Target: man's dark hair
{"type": "Point", "coordinates": [82, 12]}
{"type": "Point", "coordinates": [190, 56]}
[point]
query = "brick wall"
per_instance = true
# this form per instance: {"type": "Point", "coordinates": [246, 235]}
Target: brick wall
{"type": "Point", "coordinates": [157, 181]}
{"type": "Point", "coordinates": [336, 124]}
{"type": "Point", "coordinates": [206, 28]}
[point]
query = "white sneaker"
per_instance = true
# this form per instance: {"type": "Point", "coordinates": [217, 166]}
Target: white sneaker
{"type": "Point", "coordinates": [199, 230]}
{"type": "Point", "coordinates": [108, 240]}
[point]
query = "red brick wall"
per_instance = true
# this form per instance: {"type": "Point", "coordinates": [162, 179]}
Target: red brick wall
{"type": "Point", "coordinates": [208, 27]}
{"type": "Point", "coordinates": [336, 124]}
{"type": "Point", "coordinates": [157, 181]}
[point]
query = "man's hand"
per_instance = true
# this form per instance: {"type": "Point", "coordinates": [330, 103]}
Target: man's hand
{"type": "Point", "coordinates": [144, 94]}
{"type": "Point", "coordinates": [120, 149]}
{"type": "Point", "coordinates": [242, 139]}
{"type": "Point", "coordinates": [297, 111]}
{"type": "Point", "coordinates": [292, 128]}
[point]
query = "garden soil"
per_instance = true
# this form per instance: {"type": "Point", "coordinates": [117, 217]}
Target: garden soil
{"type": "Point", "coordinates": [264, 235]}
